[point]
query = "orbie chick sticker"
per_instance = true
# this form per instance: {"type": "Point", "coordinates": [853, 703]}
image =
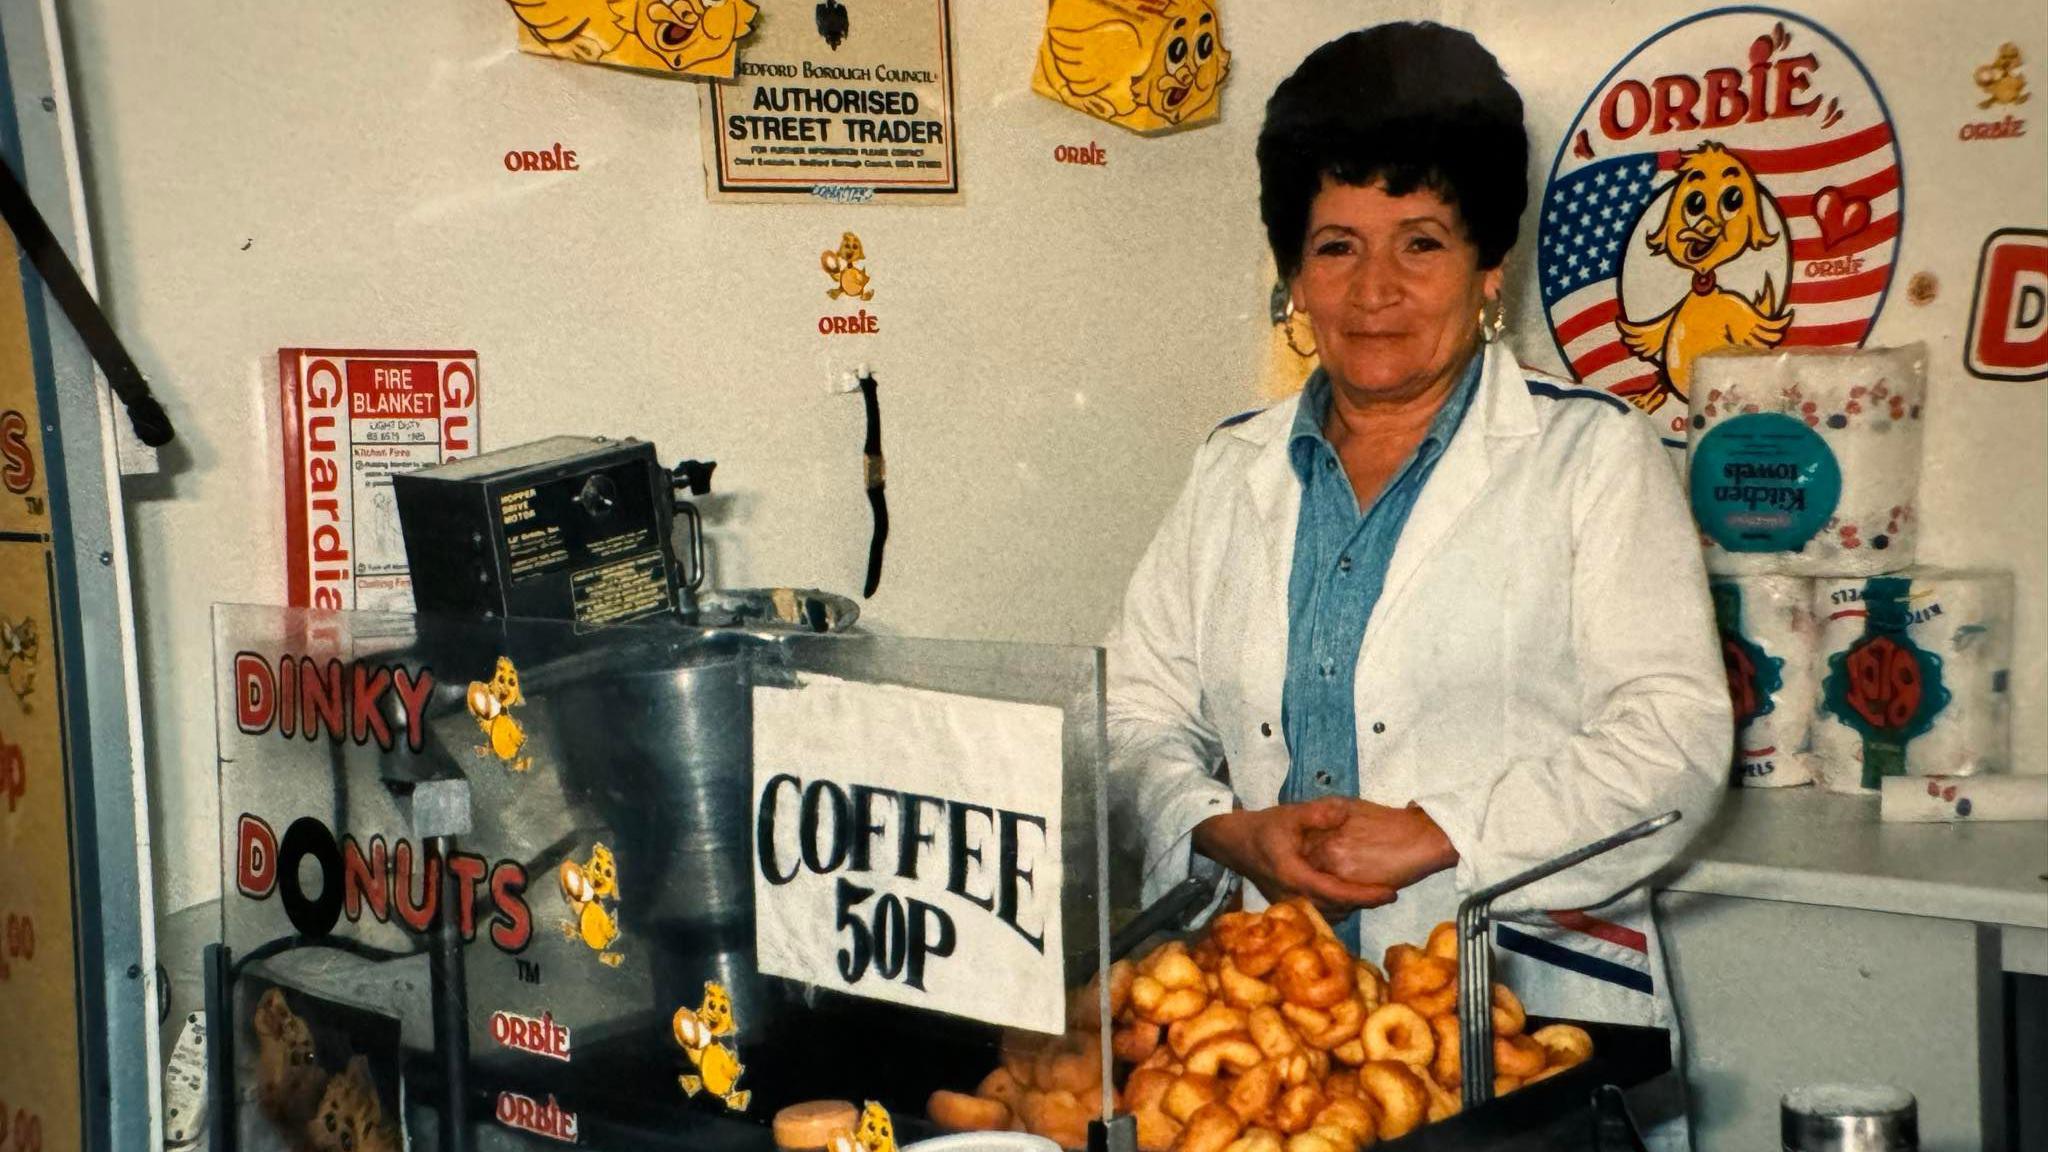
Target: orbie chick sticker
{"type": "Point", "coordinates": [703, 1033]}
{"type": "Point", "coordinates": [491, 705]}
{"type": "Point", "coordinates": [877, 1132]}
{"type": "Point", "coordinates": [849, 279]}
{"type": "Point", "coordinates": [591, 890]}
{"type": "Point", "coordinates": [1733, 182]}
{"type": "Point", "coordinates": [18, 649]}
{"type": "Point", "coordinates": [2000, 80]}
{"type": "Point", "coordinates": [674, 37]}
{"type": "Point", "coordinates": [1145, 65]}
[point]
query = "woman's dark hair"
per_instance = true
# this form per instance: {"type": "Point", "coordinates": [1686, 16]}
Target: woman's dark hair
{"type": "Point", "coordinates": [1407, 105]}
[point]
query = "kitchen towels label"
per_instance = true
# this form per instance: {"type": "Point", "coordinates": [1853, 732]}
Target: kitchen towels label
{"type": "Point", "coordinates": [1884, 686]}
{"type": "Point", "coordinates": [907, 848]}
{"type": "Point", "coordinates": [1764, 482]}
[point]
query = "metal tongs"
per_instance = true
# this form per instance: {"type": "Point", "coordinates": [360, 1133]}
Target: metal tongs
{"type": "Point", "coordinates": [1475, 957]}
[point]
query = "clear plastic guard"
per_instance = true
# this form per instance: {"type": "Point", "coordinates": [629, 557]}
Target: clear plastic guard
{"type": "Point", "coordinates": [502, 884]}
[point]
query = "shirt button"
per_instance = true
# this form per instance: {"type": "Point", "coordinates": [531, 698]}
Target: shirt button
{"type": "Point", "coordinates": [1329, 668]}
{"type": "Point", "coordinates": [1378, 727]}
{"type": "Point", "coordinates": [1324, 778]}
{"type": "Point", "coordinates": [1265, 729]}
{"type": "Point", "coordinates": [1344, 562]}
{"type": "Point", "coordinates": [1329, 465]}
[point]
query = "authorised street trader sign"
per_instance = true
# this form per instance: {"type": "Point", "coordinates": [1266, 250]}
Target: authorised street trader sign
{"type": "Point", "coordinates": [846, 110]}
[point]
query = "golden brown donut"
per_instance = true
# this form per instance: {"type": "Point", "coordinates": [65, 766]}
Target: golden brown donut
{"type": "Point", "coordinates": [1261, 944]}
{"type": "Point", "coordinates": [1508, 1016]}
{"type": "Point", "coordinates": [1212, 1128]}
{"type": "Point", "coordinates": [1315, 975]}
{"type": "Point", "coordinates": [1241, 990]}
{"type": "Point", "coordinates": [1189, 1092]}
{"type": "Point", "coordinates": [1502, 1085]}
{"type": "Point", "coordinates": [1444, 1103]}
{"type": "Point", "coordinates": [1350, 1053]}
{"type": "Point", "coordinates": [810, 1125]}
{"type": "Point", "coordinates": [1177, 970]}
{"type": "Point", "coordinates": [1299, 909]}
{"type": "Point", "coordinates": [1398, 1032]}
{"type": "Point", "coordinates": [1162, 1057]}
{"type": "Point", "coordinates": [1135, 1041]}
{"type": "Point", "coordinates": [956, 1112]}
{"type": "Point", "coordinates": [1327, 1029]}
{"type": "Point", "coordinates": [1427, 984]}
{"type": "Point", "coordinates": [1146, 993]}
{"type": "Point", "coordinates": [1447, 1069]}
{"type": "Point", "coordinates": [1549, 1070]}
{"type": "Point", "coordinates": [1343, 1084]}
{"type": "Point", "coordinates": [1564, 1044]}
{"type": "Point", "coordinates": [1253, 1092]}
{"type": "Point", "coordinates": [1297, 1107]}
{"type": "Point", "coordinates": [1270, 1032]}
{"type": "Point", "coordinates": [1232, 1050]}
{"type": "Point", "coordinates": [1059, 1117]}
{"type": "Point", "coordinates": [1067, 1069]}
{"type": "Point", "coordinates": [1398, 956]}
{"type": "Point", "coordinates": [1179, 1004]}
{"type": "Point", "coordinates": [1000, 1085]}
{"type": "Point", "coordinates": [1143, 1094]}
{"type": "Point", "coordinates": [1398, 1097]}
{"type": "Point", "coordinates": [1517, 1056]}
{"type": "Point", "coordinates": [1443, 942]}
{"type": "Point", "coordinates": [1215, 1019]}
{"type": "Point", "coordinates": [1349, 1114]}
{"type": "Point", "coordinates": [1206, 953]}
{"type": "Point", "coordinates": [1372, 984]}
{"type": "Point", "coordinates": [1121, 974]}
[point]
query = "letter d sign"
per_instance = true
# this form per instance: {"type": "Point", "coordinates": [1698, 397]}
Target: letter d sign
{"type": "Point", "coordinates": [2008, 337]}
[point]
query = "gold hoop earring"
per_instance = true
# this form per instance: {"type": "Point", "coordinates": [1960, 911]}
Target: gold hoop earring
{"type": "Point", "coordinates": [1287, 330]}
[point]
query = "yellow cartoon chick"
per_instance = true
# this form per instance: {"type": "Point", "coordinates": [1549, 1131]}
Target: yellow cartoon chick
{"type": "Point", "coordinates": [491, 704]}
{"type": "Point", "coordinates": [718, 1066]}
{"type": "Point", "coordinates": [592, 892]}
{"type": "Point", "coordinates": [1143, 70]}
{"type": "Point", "coordinates": [2000, 80]}
{"type": "Point", "coordinates": [1715, 215]}
{"type": "Point", "coordinates": [693, 37]}
{"type": "Point", "coordinates": [877, 1133]}
{"type": "Point", "coordinates": [843, 266]}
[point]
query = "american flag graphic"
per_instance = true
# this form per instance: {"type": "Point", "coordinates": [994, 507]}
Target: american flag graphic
{"type": "Point", "coordinates": [1839, 199]}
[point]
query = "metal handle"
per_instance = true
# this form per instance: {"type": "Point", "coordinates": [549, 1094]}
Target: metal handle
{"type": "Point", "coordinates": [688, 511]}
{"type": "Point", "coordinates": [1475, 957]}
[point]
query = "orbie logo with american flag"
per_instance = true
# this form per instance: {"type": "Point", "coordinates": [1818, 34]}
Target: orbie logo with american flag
{"type": "Point", "coordinates": [1733, 181]}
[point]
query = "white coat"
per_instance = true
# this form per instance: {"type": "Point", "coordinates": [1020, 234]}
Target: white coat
{"type": "Point", "coordinates": [1541, 669]}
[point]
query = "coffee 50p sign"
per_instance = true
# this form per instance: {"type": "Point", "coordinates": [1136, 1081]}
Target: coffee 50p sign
{"type": "Point", "coordinates": [907, 848]}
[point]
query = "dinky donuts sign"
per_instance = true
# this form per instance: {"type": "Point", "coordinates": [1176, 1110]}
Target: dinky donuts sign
{"type": "Point", "coordinates": [907, 848]}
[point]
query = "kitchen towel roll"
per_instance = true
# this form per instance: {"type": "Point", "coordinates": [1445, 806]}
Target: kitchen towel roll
{"type": "Point", "coordinates": [1770, 644]}
{"type": "Point", "coordinates": [1913, 676]}
{"type": "Point", "coordinates": [1807, 462]}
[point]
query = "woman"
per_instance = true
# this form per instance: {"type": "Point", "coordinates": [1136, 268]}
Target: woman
{"type": "Point", "coordinates": [1439, 619]}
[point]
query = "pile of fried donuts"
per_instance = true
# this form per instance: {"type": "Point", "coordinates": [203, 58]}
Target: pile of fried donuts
{"type": "Point", "coordinates": [1266, 1035]}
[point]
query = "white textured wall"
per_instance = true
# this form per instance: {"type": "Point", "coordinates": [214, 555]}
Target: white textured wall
{"type": "Point", "coordinates": [1052, 350]}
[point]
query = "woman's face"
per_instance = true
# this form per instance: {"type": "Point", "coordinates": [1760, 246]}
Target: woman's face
{"type": "Point", "coordinates": [1392, 288]}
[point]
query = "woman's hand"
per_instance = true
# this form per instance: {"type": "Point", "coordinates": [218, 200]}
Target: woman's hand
{"type": "Point", "coordinates": [1271, 848]}
{"type": "Point", "coordinates": [1378, 845]}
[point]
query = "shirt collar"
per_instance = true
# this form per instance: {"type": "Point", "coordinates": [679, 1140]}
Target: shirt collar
{"type": "Point", "coordinates": [1307, 431]}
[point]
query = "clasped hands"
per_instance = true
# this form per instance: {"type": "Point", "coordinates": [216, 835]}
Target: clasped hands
{"type": "Point", "coordinates": [1341, 853]}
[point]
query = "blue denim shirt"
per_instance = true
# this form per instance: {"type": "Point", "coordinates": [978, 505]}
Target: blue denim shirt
{"type": "Point", "coordinates": [1340, 566]}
